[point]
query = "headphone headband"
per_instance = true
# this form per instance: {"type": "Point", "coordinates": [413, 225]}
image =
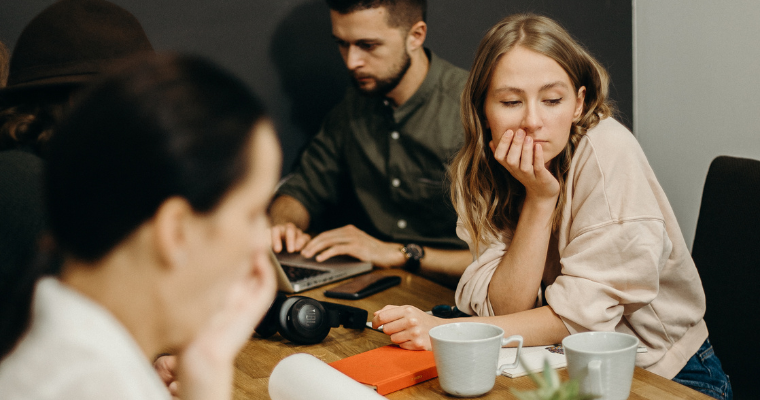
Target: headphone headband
{"type": "Point", "coordinates": [304, 320]}
{"type": "Point", "coordinates": [349, 317]}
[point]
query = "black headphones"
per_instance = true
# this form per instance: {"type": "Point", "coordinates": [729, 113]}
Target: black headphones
{"type": "Point", "coordinates": [303, 320]}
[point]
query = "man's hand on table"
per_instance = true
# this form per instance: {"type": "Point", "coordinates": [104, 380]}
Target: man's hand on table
{"type": "Point", "coordinates": [408, 326]}
{"type": "Point", "coordinates": [350, 240]}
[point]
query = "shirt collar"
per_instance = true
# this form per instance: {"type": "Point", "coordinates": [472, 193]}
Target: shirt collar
{"type": "Point", "coordinates": [426, 89]}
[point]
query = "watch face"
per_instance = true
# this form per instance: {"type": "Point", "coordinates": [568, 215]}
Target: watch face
{"type": "Point", "coordinates": [414, 251]}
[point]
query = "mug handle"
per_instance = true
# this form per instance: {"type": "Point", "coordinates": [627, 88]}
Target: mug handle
{"type": "Point", "coordinates": [504, 342]}
{"type": "Point", "coordinates": [595, 377]}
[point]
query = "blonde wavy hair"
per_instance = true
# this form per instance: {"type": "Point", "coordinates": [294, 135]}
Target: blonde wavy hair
{"type": "Point", "coordinates": [485, 195]}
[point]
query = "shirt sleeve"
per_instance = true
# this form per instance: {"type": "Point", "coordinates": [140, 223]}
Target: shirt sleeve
{"type": "Point", "coordinates": [609, 272]}
{"type": "Point", "coordinates": [472, 291]}
{"type": "Point", "coordinates": [316, 179]}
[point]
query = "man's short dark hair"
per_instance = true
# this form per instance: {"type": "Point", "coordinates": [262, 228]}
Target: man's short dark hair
{"type": "Point", "coordinates": [401, 13]}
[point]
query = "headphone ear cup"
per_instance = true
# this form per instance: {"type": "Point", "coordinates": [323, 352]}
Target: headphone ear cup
{"type": "Point", "coordinates": [303, 320]}
{"type": "Point", "coordinates": [268, 325]}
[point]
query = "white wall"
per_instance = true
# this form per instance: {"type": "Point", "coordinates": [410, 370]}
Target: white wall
{"type": "Point", "coordinates": [696, 88]}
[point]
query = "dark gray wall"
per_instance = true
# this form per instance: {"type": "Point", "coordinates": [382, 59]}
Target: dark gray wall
{"type": "Point", "coordinates": [283, 49]}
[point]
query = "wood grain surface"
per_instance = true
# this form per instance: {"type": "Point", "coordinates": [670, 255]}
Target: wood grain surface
{"type": "Point", "coordinates": [259, 357]}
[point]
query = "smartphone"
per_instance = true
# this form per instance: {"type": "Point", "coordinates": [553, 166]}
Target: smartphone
{"type": "Point", "coordinates": [363, 286]}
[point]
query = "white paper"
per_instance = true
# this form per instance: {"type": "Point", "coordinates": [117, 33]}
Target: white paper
{"type": "Point", "coordinates": [533, 359]}
{"type": "Point", "coordinates": [304, 377]}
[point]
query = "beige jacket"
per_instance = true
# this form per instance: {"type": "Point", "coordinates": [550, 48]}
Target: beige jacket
{"type": "Point", "coordinates": [624, 265]}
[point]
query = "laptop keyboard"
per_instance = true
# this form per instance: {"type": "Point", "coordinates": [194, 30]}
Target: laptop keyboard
{"type": "Point", "coordinates": [296, 274]}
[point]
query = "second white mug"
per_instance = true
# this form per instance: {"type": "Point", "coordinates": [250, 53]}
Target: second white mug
{"type": "Point", "coordinates": [602, 362]}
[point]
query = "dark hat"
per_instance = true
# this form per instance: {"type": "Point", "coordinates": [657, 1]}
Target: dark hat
{"type": "Point", "coordinates": [70, 42]}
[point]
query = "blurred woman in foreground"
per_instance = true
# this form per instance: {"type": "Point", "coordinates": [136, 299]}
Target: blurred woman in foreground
{"type": "Point", "coordinates": [157, 188]}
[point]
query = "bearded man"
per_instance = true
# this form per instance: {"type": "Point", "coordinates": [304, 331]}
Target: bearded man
{"type": "Point", "coordinates": [375, 175]}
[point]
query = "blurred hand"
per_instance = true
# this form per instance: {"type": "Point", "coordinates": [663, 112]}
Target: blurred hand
{"type": "Point", "coordinates": [350, 240]}
{"type": "Point", "coordinates": [407, 326]}
{"type": "Point", "coordinates": [166, 367]}
{"type": "Point", "coordinates": [206, 365]}
{"type": "Point", "coordinates": [294, 238]}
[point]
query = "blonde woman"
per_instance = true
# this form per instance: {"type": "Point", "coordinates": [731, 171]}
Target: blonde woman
{"type": "Point", "coordinates": [568, 227]}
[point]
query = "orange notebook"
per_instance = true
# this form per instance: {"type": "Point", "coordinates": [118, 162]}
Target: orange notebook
{"type": "Point", "coordinates": [389, 368]}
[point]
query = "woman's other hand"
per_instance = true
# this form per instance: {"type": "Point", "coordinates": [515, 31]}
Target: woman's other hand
{"type": "Point", "coordinates": [407, 326]}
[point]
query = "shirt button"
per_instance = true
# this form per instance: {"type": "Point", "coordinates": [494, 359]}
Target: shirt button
{"type": "Point", "coordinates": [396, 182]}
{"type": "Point", "coordinates": [386, 102]}
{"type": "Point", "coordinates": [401, 223]}
{"type": "Point", "coordinates": [395, 135]}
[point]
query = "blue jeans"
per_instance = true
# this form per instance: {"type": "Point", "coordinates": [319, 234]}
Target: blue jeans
{"type": "Point", "coordinates": [704, 374]}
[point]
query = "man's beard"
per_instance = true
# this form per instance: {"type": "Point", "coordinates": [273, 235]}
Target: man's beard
{"type": "Point", "coordinates": [384, 86]}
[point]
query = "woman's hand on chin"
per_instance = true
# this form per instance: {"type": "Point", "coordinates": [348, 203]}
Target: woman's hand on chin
{"type": "Point", "coordinates": [524, 160]}
{"type": "Point", "coordinates": [166, 367]}
{"type": "Point", "coordinates": [407, 326]}
{"type": "Point", "coordinates": [206, 365]}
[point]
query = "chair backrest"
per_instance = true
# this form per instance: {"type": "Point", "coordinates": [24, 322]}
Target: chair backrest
{"type": "Point", "coordinates": [727, 254]}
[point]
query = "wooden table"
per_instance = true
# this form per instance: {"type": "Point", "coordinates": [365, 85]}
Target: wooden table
{"type": "Point", "coordinates": [259, 357]}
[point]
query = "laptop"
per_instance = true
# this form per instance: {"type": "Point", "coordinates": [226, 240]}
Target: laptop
{"type": "Point", "coordinates": [296, 273]}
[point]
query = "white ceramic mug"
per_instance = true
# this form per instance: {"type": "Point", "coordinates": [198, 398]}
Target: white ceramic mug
{"type": "Point", "coordinates": [602, 362]}
{"type": "Point", "coordinates": [467, 356]}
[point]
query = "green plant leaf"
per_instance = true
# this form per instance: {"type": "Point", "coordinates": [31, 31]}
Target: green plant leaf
{"type": "Point", "coordinates": [551, 376]}
{"type": "Point", "coordinates": [550, 387]}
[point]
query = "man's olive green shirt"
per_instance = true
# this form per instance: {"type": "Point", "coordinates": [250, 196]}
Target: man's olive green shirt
{"type": "Point", "coordinates": [384, 169]}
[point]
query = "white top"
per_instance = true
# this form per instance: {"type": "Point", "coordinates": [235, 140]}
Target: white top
{"type": "Point", "coordinates": [76, 349]}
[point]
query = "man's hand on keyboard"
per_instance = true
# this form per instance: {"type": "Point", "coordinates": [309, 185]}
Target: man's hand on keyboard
{"type": "Point", "coordinates": [350, 240]}
{"type": "Point", "coordinates": [294, 238]}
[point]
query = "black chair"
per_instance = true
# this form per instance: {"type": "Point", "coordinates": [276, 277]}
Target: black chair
{"type": "Point", "coordinates": [727, 254]}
